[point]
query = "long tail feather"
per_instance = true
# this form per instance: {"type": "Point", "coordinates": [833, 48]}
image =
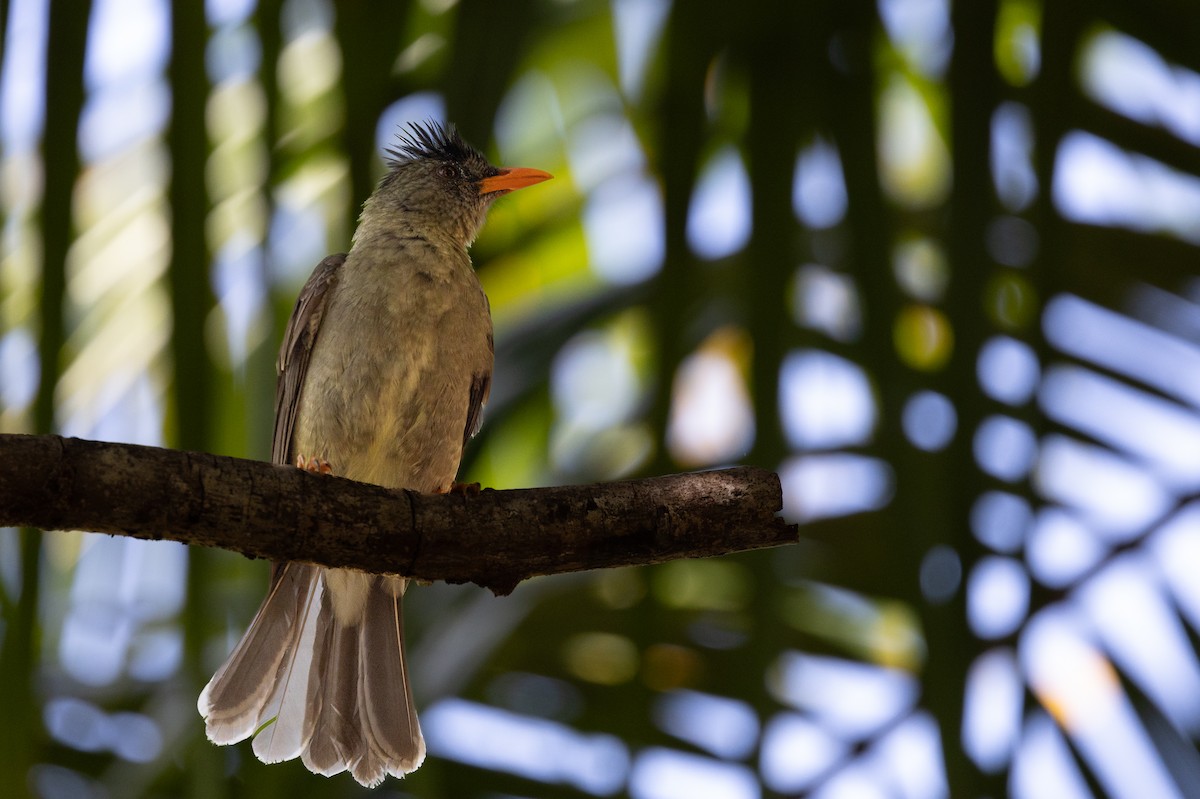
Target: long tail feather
{"type": "Point", "coordinates": [337, 695]}
{"type": "Point", "coordinates": [232, 703]}
{"type": "Point", "coordinates": [385, 696]}
{"type": "Point", "coordinates": [336, 742]}
{"type": "Point", "coordinates": [285, 716]}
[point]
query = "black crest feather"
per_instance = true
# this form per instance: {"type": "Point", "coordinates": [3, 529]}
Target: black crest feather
{"type": "Point", "coordinates": [434, 140]}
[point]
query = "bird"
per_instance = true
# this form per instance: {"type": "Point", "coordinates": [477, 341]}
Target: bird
{"type": "Point", "coordinates": [383, 373]}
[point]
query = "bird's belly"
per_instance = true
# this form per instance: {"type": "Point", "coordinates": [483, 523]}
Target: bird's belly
{"type": "Point", "coordinates": [395, 420]}
{"type": "Point", "coordinates": [412, 443]}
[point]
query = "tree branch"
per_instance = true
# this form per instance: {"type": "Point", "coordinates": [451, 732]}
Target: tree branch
{"type": "Point", "coordinates": [495, 539]}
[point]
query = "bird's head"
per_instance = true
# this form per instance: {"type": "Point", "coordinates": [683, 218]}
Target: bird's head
{"type": "Point", "coordinates": [437, 179]}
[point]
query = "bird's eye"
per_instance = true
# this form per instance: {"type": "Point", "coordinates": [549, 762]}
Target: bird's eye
{"type": "Point", "coordinates": [447, 171]}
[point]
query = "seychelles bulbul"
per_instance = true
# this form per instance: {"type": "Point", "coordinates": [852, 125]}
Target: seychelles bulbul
{"type": "Point", "coordinates": [384, 370]}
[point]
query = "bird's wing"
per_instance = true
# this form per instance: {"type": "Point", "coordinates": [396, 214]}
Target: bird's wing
{"type": "Point", "coordinates": [294, 355]}
{"type": "Point", "coordinates": [481, 387]}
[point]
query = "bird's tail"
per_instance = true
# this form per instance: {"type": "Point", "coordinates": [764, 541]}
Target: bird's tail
{"type": "Point", "coordinates": [305, 685]}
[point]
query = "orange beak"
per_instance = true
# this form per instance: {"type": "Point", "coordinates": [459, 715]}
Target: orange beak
{"type": "Point", "coordinates": [511, 179]}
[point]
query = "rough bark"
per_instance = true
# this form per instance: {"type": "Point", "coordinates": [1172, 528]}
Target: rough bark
{"type": "Point", "coordinates": [493, 538]}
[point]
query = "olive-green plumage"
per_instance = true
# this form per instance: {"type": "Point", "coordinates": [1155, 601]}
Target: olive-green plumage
{"type": "Point", "coordinates": [383, 373]}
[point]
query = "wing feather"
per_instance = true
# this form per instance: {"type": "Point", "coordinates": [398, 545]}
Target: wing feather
{"type": "Point", "coordinates": [294, 355]}
{"type": "Point", "coordinates": [296, 351]}
{"type": "Point", "coordinates": [481, 388]}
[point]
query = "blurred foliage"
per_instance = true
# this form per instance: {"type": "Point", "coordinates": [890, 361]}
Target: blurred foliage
{"type": "Point", "coordinates": [792, 234]}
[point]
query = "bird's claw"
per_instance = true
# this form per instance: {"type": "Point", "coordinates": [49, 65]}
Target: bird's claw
{"type": "Point", "coordinates": [463, 489]}
{"type": "Point", "coordinates": [314, 465]}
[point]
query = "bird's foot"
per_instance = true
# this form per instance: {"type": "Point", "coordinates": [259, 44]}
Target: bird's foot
{"type": "Point", "coordinates": [314, 465]}
{"type": "Point", "coordinates": [463, 489]}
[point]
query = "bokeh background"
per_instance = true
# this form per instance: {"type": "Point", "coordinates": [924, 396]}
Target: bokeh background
{"type": "Point", "coordinates": [935, 263]}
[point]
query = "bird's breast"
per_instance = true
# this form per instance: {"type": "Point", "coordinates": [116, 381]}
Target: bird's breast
{"type": "Point", "coordinates": [386, 395]}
